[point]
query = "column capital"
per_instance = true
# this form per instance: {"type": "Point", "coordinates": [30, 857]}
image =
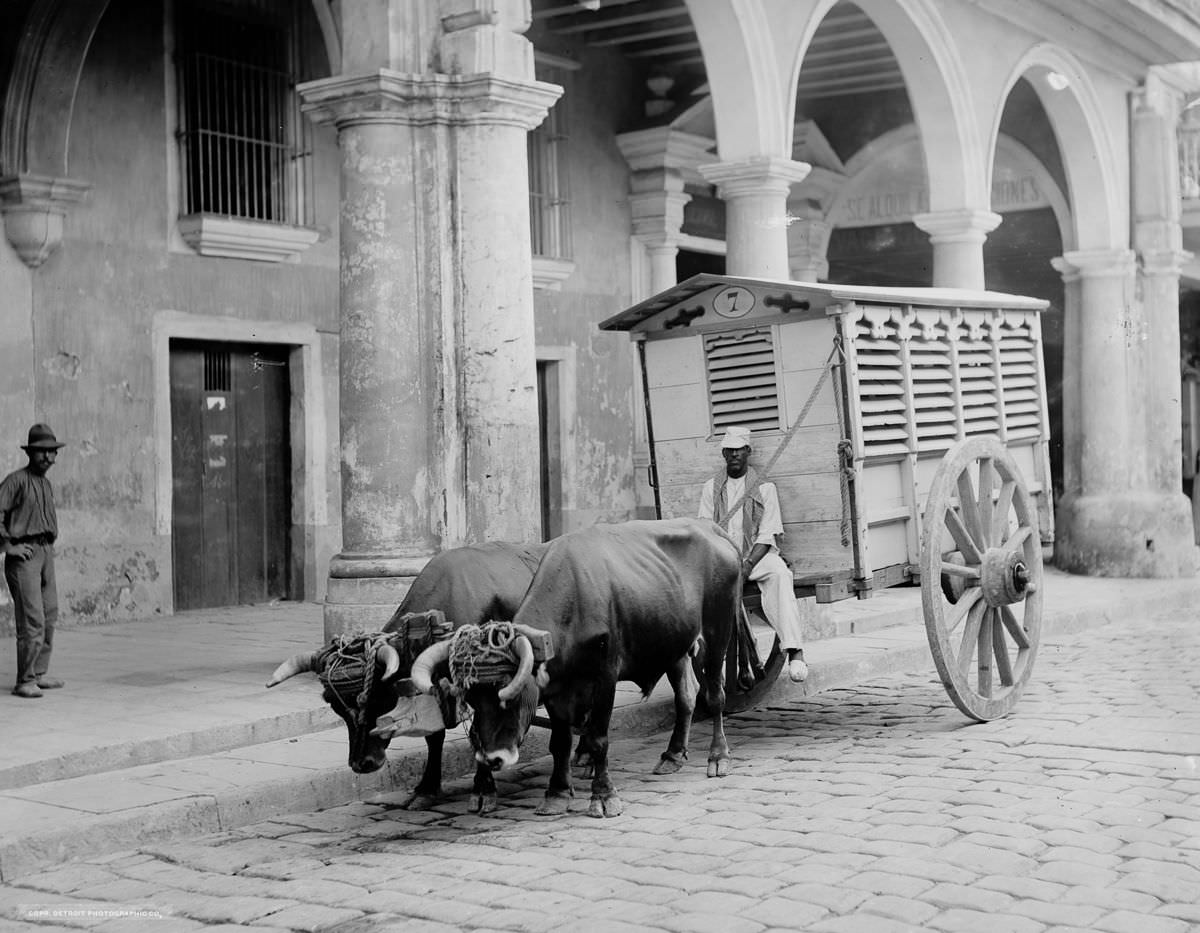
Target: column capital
{"type": "Point", "coordinates": [1165, 261]}
{"type": "Point", "coordinates": [1096, 264]}
{"type": "Point", "coordinates": [34, 208]}
{"type": "Point", "coordinates": [386, 96]}
{"type": "Point", "coordinates": [966, 225]}
{"type": "Point", "coordinates": [658, 216]}
{"type": "Point", "coordinates": [755, 176]}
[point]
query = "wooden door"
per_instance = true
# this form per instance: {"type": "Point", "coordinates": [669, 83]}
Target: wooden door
{"type": "Point", "coordinates": [230, 457]}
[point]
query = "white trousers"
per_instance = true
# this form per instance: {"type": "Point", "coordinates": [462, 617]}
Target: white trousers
{"type": "Point", "coordinates": [774, 580]}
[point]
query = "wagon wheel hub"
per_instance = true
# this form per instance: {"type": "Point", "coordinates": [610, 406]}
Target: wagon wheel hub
{"type": "Point", "coordinates": [1004, 577]}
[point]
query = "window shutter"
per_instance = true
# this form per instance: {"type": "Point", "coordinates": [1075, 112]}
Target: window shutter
{"type": "Point", "coordinates": [743, 386]}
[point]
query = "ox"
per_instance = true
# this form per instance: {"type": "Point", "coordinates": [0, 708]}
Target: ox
{"type": "Point", "coordinates": [620, 602]}
{"type": "Point", "coordinates": [469, 585]}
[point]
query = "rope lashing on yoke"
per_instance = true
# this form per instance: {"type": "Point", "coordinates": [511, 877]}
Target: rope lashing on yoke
{"type": "Point", "coordinates": [844, 447]}
{"type": "Point", "coordinates": [349, 669]}
{"type": "Point", "coordinates": [483, 654]}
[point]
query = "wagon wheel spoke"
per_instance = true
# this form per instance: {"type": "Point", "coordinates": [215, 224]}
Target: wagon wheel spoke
{"type": "Point", "coordinates": [969, 507]}
{"type": "Point", "coordinates": [970, 636]}
{"type": "Point", "coordinates": [987, 480]}
{"type": "Point", "coordinates": [962, 537]}
{"type": "Point", "coordinates": [966, 602]}
{"type": "Point", "coordinates": [1019, 538]}
{"type": "Point", "coordinates": [1000, 515]}
{"type": "Point", "coordinates": [1000, 650]}
{"type": "Point", "coordinates": [1016, 630]}
{"type": "Point", "coordinates": [960, 570]}
{"type": "Point", "coordinates": [984, 665]}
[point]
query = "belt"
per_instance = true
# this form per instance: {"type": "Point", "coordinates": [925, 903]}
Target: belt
{"type": "Point", "coordinates": [44, 538]}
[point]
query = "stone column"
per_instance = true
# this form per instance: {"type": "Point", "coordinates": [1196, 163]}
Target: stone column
{"type": "Point", "coordinates": [1158, 237]}
{"type": "Point", "coordinates": [1111, 520]}
{"type": "Point", "coordinates": [755, 192]}
{"type": "Point", "coordinates": [438, 399]}
{"type": "Point", "coordinates": [808, 249]}
{"type": "Point", "coordinates": [957, 238]}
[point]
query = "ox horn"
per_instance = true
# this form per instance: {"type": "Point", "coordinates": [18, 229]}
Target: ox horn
{"type": "Point", "coordinates": [296, 664]}
{"type": "Point", "coordinates": [391, 660]}
{"type": "Point", "coordinates": [524, 652]}
{"type": "Point", "coordinates": [427, 660]}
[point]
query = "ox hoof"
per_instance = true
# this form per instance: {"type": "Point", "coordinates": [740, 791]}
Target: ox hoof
{"type": "Point", "coordinates": [482, 804]}
{"type": "Point", "coordinates": [668, 765]}
{"type": "Point", "coordinates": [601, 807]}
{"type": "Point", "coordinates": [553, 806]}
{"type": "Point", "coordinates": [418, 801]}
{"type": "Point", "coordinates": [718, 767]}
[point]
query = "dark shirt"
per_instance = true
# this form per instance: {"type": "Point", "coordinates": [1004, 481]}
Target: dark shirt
{"type": "Point", "coordinates": [27, 506]}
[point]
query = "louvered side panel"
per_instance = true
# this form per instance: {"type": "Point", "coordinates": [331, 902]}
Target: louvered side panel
{"type": "Point", "coordinates": [977, 385]}
{"type": "Point", "coordinates": [1019, 382]}
{"type": "Point", "coordinates": [880, 371]}
{"type": "Point", "coordinates": [933, 393]}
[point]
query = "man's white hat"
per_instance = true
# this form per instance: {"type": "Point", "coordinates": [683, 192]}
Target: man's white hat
{"type": "Point", "coordinates": [735, 437]}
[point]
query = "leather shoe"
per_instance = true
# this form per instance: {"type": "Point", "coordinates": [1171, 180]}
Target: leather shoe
{"type": "Point", "coordinates": [49, 683]}
{"type": "Point", "coordinates": [797, 670]}
{"type": "Point", "coordinates": [28, 690]}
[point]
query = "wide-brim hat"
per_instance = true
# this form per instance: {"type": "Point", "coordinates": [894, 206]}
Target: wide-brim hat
{"type": "Point", "coordinates": [41, 438]}
{"type": "Point", "coordinates": [735, 438]}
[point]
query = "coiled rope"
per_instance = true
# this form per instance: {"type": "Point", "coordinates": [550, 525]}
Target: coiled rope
{"type": "Point", "coordinates": [483, 654]}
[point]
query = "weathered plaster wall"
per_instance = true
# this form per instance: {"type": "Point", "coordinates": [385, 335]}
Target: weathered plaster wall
{"type": "Point", "coordinates": [599, 99]}
{"type": "Point", "coordinates": [92, 304]}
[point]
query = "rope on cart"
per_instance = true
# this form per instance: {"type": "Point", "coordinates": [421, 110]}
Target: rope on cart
{"type": "Point", "coordinates": [826, 369]}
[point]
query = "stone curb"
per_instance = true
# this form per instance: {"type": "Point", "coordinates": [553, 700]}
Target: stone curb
{"type": "Point", "coordinates": [834, 664]}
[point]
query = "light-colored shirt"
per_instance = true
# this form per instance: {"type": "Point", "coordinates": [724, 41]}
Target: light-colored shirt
{"type": "Point", "coordinates": [772, 522]}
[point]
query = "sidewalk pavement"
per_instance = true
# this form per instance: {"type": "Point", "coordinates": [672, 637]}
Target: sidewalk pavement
{"type": "Point", "coordinates": [165, 727]}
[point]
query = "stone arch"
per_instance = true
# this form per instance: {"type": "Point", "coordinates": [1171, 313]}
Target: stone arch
{"type": "Point", "coordinates": [36, 123]}
{"type": "Point", "coordinates": [941, 100]}
{"type": "Point", "coordinates": [747, 51]}
{"type": "Point", "coordinates": [1087, 148]}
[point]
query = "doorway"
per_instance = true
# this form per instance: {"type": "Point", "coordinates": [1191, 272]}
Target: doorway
{"type": "Point", "coordinates": [230, 472]}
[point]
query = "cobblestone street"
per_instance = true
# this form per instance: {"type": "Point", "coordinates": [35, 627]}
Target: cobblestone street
{"type": "Point", "coordinates": [874, 810]}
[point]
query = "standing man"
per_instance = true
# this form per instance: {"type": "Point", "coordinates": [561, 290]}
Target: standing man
{"type": "Point", "coordinates": [28, 527]}
{"type": "Point", "coordinates": [749, 510]}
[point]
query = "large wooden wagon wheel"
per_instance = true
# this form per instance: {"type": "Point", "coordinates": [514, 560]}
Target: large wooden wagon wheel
{"type": "Point", "coordinates": [981, 577]}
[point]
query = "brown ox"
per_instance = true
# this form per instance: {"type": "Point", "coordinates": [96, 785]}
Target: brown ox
{"type": "Point", "coordinates": [621, 602]}
{"type": "Point", "coordinates": [469, 585]}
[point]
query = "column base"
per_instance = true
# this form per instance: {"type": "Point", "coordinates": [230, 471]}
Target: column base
{"type": "Point", "coordinates": [364, 591]}
{"type": "Point", "coordinates": [1126, 535]}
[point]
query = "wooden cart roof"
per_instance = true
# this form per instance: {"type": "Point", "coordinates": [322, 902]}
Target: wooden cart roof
{"type": "Point", "coordinates": [822, 295]}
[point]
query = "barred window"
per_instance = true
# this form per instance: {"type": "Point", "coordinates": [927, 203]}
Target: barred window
{"type": "Point", "coordinates": [244, 146]}
{"type": "Point", "coordinates": [549, 193]}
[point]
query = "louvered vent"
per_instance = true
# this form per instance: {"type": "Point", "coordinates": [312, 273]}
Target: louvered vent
{"type": "Point", "coordinates": [742, 384]}
{"type": "Point", "coordinates": [977, 383]}
{"type": "Point", "coordinates": [970, 374]}
{"type": "Point", "coordinates": [1019, 381]}
{"type": "Point", "coordinates": [881, 388]}
{"type": "Point", "coordinates": [216, 370]}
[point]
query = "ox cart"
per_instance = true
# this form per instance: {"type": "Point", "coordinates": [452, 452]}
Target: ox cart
{"type": "Point", "coordinates": [906, 431]}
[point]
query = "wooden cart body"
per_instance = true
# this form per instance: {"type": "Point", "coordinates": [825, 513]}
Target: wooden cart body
{"type": "Point", "coordinates": [903, 373]}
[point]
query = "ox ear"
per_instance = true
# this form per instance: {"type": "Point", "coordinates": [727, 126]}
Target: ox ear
{"type": "Point", "coordinates": [542, 677]}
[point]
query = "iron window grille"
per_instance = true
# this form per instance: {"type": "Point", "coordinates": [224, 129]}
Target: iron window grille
{"type": "Point", "coordinates": [549, 191]}
{"type": "Point", "coordinates": [245, 148]}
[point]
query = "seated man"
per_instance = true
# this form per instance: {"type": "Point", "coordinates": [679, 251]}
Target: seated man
{"type": "Point", "coordinates": [754, 524]}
